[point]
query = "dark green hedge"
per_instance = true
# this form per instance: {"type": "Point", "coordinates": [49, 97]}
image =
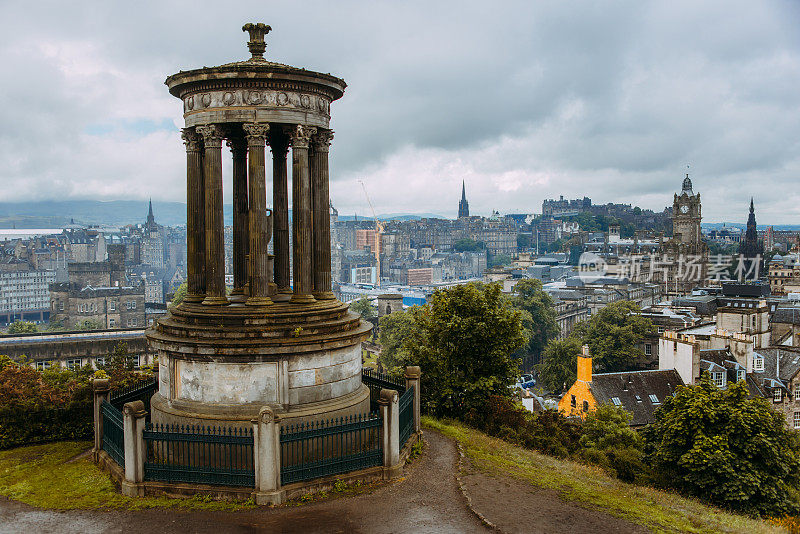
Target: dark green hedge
{"type": "Point", "coordinates": [20, 426]}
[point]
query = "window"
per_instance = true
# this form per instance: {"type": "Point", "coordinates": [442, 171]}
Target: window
{"type": "Point", "coordinates": [758, 362]}
{"type": "Point", "coordinates": [132, 321]}
{"type": "Point", "coordinates": [740, 375]}
{"type": "Point", "coordinates": [776, 395]}
{"type": "Point", "coordinates": [616, 401]}
{"type": "Point", "coordinates": [648, 349]}
{"type": "Point", "coordinates": [585, 406]}
{"type": "Point", "coordinates": [112, 306]}
{"type": "Point", "coordinates": [797, 393]}
{"type": "Point", "coordinates": [654, 399]}
{"type": "Point", "coordinates": [719, 379]}
{"type": "Point", "coordinates": [99, 362]}
{"type": "Point", "coordinates": [44, 364]}
{"type": "Point", "coordinates": [660, 329]}
{"type": "Point", "coordinates": [573, 402]}
{"type": "Point", "coordinates": [796, 419]}
{"type": "Point", "coordinates": [112, 322]}
{"type": "Point", "coordinates": [73, 364]}
{"type": "Point", "coordinates": [638, 398]}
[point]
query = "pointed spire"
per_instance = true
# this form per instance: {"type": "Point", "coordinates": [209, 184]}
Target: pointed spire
{"type": "Point", "coordinates": [463, 191]}
{"type": "Point", "coordinates": [752, 210]}
{"type": "Point", "coordinates": [150, 209]}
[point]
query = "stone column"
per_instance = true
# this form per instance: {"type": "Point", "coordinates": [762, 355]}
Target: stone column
{"type": "Point", "coordinates": [301, 216]}
{"type": "Point", "coordinates": [215, 229]}
{"type": "Point", "coordinates": [241, 224]}
{"type": "Point", "coordinates": [280, 209]}
{"type": "Point", "coordinates": [195, 218]}
{"type": "Point", "coordinates": [413, 376]}
{"type": "Point", "coordinates": [320, 193]}
{"type": "Point", "coordinates": [259, 282]}
{"type": "Point", "coordinates": [133, 414]}
{"type": "Point", "coordinates": [267, 458]}
{"type": "Point", "coordinates": [102, 392]}
{"type": "Point", "coordinates": [390, 412]}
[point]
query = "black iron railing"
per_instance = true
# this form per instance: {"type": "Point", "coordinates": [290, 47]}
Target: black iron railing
{"type": "Point", "coordinates": [199, 455]}
{"type": "Point", "coordinates": [113, 435]}
{"type": "Point", "coordinates": [142, 390]}
{"type": "Point", "coordinates": [376, 381]}
{"type": "Point", "coordinates": [406, 416]}
{"type": "Point", "coordinates": [313, 450]}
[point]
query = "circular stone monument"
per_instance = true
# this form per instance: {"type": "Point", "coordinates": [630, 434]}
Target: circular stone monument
{"type": "Point", "coordinates": [274, 340]}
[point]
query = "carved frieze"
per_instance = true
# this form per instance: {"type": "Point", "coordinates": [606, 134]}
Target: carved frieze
{"type": "Point", "coordinates": [257, 97]}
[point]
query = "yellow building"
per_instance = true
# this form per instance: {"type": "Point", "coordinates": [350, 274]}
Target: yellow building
{"type": "Point", "coordinates": [638, 392]}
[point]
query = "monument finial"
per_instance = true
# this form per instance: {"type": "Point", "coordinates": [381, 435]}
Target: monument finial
{"type": "Point", "coordinates": [256, 44]}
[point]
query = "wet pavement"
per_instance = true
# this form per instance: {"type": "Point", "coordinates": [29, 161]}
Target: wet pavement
{"type": "Point", "coordinates": [426, 501]}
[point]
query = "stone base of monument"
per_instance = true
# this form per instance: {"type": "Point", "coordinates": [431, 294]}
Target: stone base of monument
{"type": "Point", "coordinates": [218, 366]}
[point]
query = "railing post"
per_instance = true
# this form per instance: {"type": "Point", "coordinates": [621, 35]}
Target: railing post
{"type": "Point", "coordinates": [102, 392]}
{"type": "Point", "coordinates": [390, 413]}
{"type": "Point", "coordinates": [413, 375]}
{"type": "Point", "coordinates": [133, 419]}
{"type": "Point", "coordinates": [267, 458]}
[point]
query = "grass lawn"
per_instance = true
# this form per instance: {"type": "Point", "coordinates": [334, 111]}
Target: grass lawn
{"type": "Point", "coordinates": [49, 476]}
{"type": "Point", "coordinates": [661, 511]}
{"type": "Point", "coordinates": [370, 359]}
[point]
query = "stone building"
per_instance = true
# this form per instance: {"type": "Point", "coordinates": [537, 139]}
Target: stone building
{"type": "Point", "coordinates": [152, 253]}
{"type": "Point", "coordinates": [24, 292]}
{"type": "Point", "coordinates": [463, 205]}
{"type": "Point", "coordinates": [107, 307]}
{"type": "Point", "coordinates": [783, 273]}
{"type": "Point", "coordinates": [751, 249]}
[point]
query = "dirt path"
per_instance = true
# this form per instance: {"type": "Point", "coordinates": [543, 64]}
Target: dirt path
{"type": "Point", "coordinates": [428, 500]}
{"type": "Point", "coordinates": [515, 506]}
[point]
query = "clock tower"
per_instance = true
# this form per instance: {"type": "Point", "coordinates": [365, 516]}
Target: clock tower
{"type": "Point", "coordinates": [686, 216]}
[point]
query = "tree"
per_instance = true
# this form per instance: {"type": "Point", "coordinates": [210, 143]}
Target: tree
{"type": "Point", "coordinates": [609, 441]}
{"type": "Point", "coordinates": [540, 321]}
{"type": "Point", "coordinates": [88, 324]}
{"type": "Point", "coordinates": [725, 448]}
{"type": "Point", "coordinates": [398, 330]}
{"type": "Point", "coordinates": [22, 327]}
{"type": "Point", "coordinates": [559, 367]}
{"type": "Point", "coordinates": [463, 340]}
{"type": "Point", "coordinates": [613, 333]}
{"type": "Point", "coordinates": [500, 260]}
{"type": "Point", "coordinates": [468, 245]}
{"type": "Point", "coordinates": [364, 307]}
{"type": "Point", "coordinates": [524, 241]}
{"type": "Point", "coordinates": [180, 294]}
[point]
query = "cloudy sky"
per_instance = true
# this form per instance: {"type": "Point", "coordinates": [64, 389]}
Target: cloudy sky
{"type": "Point", "coordinates": [522, 100]}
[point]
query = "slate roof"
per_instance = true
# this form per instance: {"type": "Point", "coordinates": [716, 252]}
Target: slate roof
{"type": "Point", "coordinates": [703, 304]}
{"type": "Point", "coordinates": [633, 390]}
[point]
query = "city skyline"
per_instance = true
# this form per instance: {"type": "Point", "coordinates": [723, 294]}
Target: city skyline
{"type": "Point", "coordinates": [523, 102]}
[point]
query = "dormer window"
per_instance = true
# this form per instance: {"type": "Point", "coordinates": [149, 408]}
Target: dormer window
{"type": "Point", "coordinates": [776, 395]}
{"type": "Point", "coordinates": [758, 362]}
{"type": "Point", "coordinates": [616, 401]}
{"type": "Point", "coordinates": [719, 379]}
{"type": "Point", "coordinates": [740, 375]}
{"type": "Point", "coordinates": [654, 399]}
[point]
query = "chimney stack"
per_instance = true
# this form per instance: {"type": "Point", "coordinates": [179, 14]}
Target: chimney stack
{"type": "Point", "coordinates": [585, 365]}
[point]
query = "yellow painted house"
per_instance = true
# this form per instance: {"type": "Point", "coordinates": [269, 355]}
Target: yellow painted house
{"type": "Point", "coordinates": [638, 392]}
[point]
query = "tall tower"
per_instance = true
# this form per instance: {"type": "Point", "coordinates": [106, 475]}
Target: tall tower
{"type": "Point", "coordinates": [751, 249]}
{"type": "Point", "coordinates": [463, 205]}
{"type": "Point", "coordinates": [686, 215]}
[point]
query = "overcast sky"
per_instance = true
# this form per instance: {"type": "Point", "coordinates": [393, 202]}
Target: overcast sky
{"type": "Point", "coordinates": [522, 100]}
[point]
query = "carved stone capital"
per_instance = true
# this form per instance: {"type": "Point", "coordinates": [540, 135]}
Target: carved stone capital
{"type": "Point", "coordinates": [256, 133]}
{"type": "Point", "coordinates": [193, 141]}
{"type": "Point", "coordinates": [212, 135]}
{"type": "Point", "coordinates": [266, 415]}
{"type": "Point", "coordinates": [300, 135]}
{"type": "Point", "coordinates": [322, 140]}
{"type": "Point", "coordinates": [238, 145]}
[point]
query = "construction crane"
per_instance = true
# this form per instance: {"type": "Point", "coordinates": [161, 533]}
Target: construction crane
{"type": "Point", "coordinates": [378, 233]}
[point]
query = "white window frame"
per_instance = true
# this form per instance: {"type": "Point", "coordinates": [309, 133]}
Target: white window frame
{"type": "Point", "coordinates": [758, 363]}
{"type": "Point", "coordinates": [797, 392]}
{"type": "Point", "coordinates": [796, 419]}
{"type": "Point", "coordinates": [73, 364]}
{"type": "Point", "coordinates": [648, 349]}
{"type": "Point", "coordinates": [99, 361]}
{"type": "Point", "coordinates": [112, 306]}
{"type": "Point", "coordinates": [777, 395]}
{"type": "Point", "coordinates": [740, 374]}
{"type": "Point", "coordinates": [719, 379]}
{"type": "Point", "coordinates": [654, 399]}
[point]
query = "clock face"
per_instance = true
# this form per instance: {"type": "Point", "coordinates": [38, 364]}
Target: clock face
{"type": "Point", "coordinates": [684, 209]}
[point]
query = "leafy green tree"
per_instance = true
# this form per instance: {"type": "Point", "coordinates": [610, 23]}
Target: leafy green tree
{"type": "Point", "coordinates": [540, 320]}
{"type": "Point", "coordinates": [468, 245]}
{"type": "Point", "coordinates": [524, 241]}
{"type": "Point", "coordinates": [609, 441]}
{"type": "Point", "coordinates": [613, 333]}
{"type": "Point", "coordinates": [364, 307]}
{"type": "Point", "coordinates": [398, 330]}
{"type": "Point", "coordinates": [22, 327]}
{"type": "Point", "coordinates": [500, 260]}
{"type": "Point", "coordinates": [464, 339]}
{"type": "Point", "coordinates": [726, 448]}
{"type": "Point", "coordinates": [180, 294]}
{"type": "Point", "coordinates": [559, 367]}
{"type": "Point", "coordinates": [88, 324]}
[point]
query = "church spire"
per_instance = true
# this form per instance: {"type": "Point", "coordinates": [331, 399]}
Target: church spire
{"type": "Point", "coordinates": [463, 205]}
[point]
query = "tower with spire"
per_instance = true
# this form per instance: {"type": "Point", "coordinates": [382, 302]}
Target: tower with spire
{"type": "Point", "coordinates": [751, 249]}
{"type": "Point", "coordinates": [463, 205]}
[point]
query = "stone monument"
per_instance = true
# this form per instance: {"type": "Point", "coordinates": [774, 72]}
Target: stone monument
{"type": "Point", "coordinates": [278, 341]}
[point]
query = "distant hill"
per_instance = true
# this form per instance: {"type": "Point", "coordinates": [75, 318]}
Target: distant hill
{"type": "Point", "coordinates": [394, 217]}
{"type": "Point", "coordinates": [741, 226]}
